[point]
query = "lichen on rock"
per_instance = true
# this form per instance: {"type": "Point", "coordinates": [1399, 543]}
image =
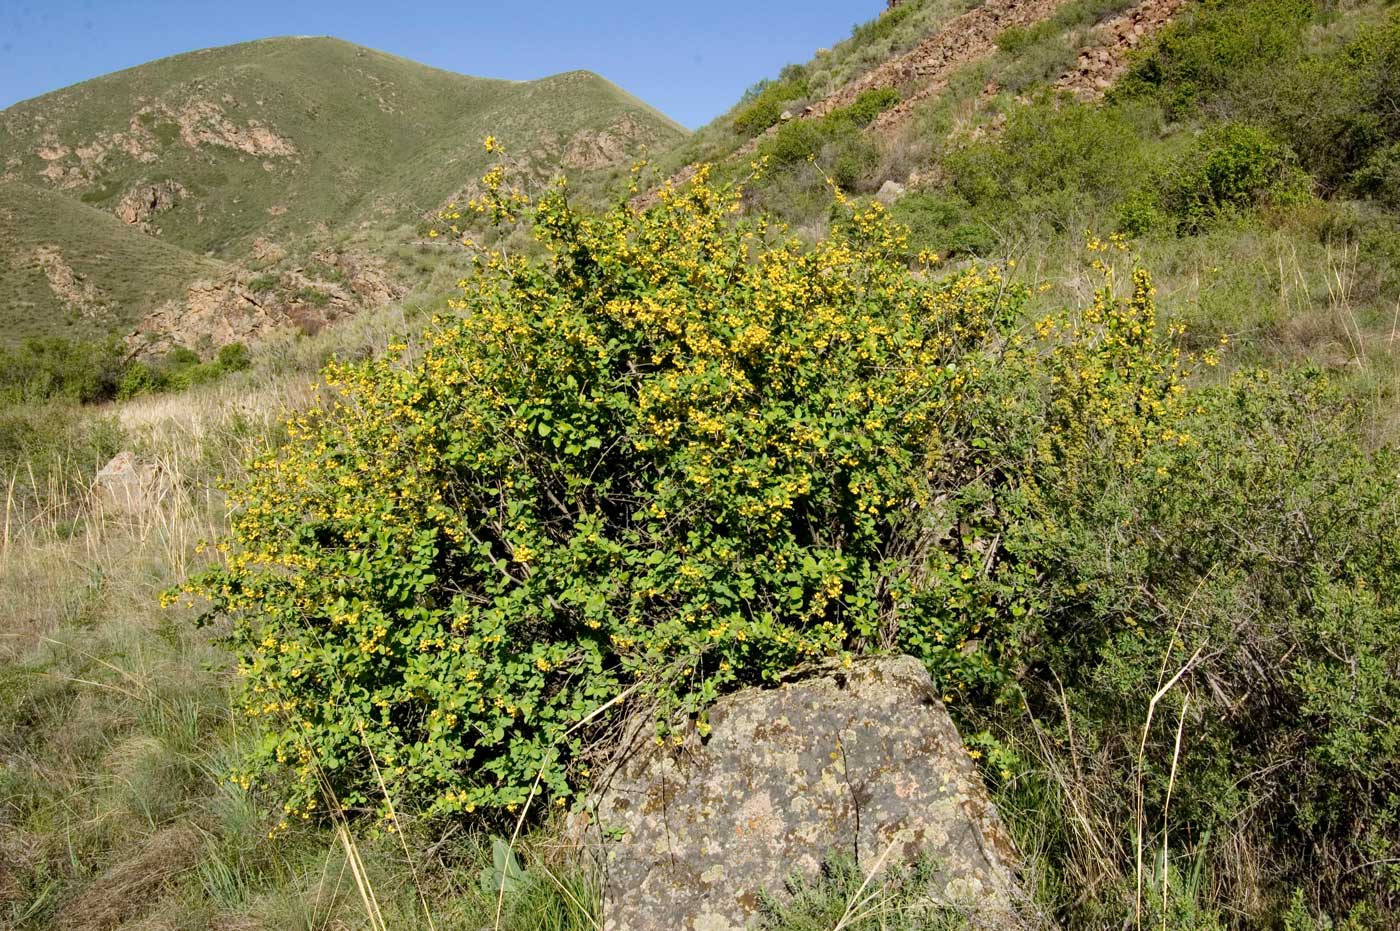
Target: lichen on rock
{"type": "Point", "coordinates": [861, 762]}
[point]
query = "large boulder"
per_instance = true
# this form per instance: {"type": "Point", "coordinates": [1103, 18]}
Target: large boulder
{"type": "Point", "coordinates": [861, 761]}
{"type": "Point", "coordinates": [128, 486]}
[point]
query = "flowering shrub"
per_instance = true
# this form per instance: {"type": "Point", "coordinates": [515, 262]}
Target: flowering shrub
{"type": "Point", "coordinates": [677, 454]}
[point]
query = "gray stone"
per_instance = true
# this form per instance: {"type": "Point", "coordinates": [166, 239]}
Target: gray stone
{"type": "Point", "coordinates": [861, 761]}
{"type": "Point", "coordinates": [889, 192]}
{"type": "Point", "coordinates": [125, 485]}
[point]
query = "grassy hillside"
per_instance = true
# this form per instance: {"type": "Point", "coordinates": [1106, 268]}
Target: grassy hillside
{"type": "Point", "coordinates": [68, 269]}
{"type": "Point", "coordinates": [293, 141]}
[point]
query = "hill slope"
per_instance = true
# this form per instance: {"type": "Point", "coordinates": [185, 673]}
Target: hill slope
{"type": "Point", "coordinates": [69, 269]}
{"type": "Point", "coordinates": [284, 139]}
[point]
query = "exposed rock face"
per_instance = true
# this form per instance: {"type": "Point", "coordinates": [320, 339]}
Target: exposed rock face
{"type": "Point", "coordinates": [193, 122]}
{"type": "Point", "coordinates": [863, 761]}
{"type": "Point", "coordinates": [369, 282]}
{"type": "Point", "coordinates": [126, 485]}
{"type": "Point", "coordinates": [144, 201]}
{"type": "Point", "coordinates": [1103, 63]}
{"type": "Point", "coordinates": [213, 313]}
{"type": "Point", "coordinates": [590, 149]}
{"type": "Point", "coordinates": [79, 296]}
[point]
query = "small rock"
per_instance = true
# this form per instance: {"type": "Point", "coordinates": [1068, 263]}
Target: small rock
{"type": "Point", "coordinates": [889, 192]}
{"type": "Point", "coordinates": [785, 115]}
{"type": "Point", "coordinates": [125, 485]}
{"type": "Point", "coordinates": [862, 762]}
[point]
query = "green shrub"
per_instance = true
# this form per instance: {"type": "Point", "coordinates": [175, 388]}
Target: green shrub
{"type": "Point", "coordinates": [60, 369]}
{"type": "Point", "coordinates": [233, 358]}
{"type": "Point", "coordinates": [1220, 54]}
{"type": "Point", "coordinates": [1230, 168]}
{"type": "Point", "coordinates": [1339, 112]}
{"type": "Point", "coordinates": [870, 104]}
{"type": "Point", "coordinates": [674, 456]}
{"type": "Point", "coordinates": [1380, 176]}
{"type": "Point", "coordinates": [835, 141]}
{"type": "Point", "coordinates": [138, 379]}
{"type": "Point", "coordinates": [768, 104]}
{"type": "Point", "coordinates": [313, 296]}
{"type": "Point", "coordinates": [1258, 553]}
{"type": "Point", "coordinates": [1054, 159]}
{"type": "Point", "coordinates": [942, 224]}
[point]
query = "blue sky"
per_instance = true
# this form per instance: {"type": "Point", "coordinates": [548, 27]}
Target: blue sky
{"type": "Point", "coordinates": [691, 60]}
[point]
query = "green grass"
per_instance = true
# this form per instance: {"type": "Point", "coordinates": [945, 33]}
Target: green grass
{"type": "Point", "coordinates": [130, 271]}
{"type": "Point", "coordinates": [355, 141]}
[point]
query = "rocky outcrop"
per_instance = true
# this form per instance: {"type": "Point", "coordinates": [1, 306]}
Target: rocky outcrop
{"type": "Point", "coordinates": [78, 295]}
{"type": "Point", "coordinates": [128, 486]}
{"type": "Point", "coordinates": [144, 201]}
{"type": "Point", "coordinates": [861, 761]}
{"type": "Point", "coordinates": [1103, 62]}
{"type": "Point", "coordinates": [193, 122]}
{"type": "Point", "coordinates": [590, 150]}
{"type": "Point", "coordinates": [369, 283]}
{"type": "Point", "coordinates": [889, 192]}
{"type": "Point", "coordinates": [213, 313]}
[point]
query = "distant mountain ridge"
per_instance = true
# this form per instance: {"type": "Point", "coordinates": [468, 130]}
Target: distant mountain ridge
{"type": "Point", "coordinates": [287, 147]}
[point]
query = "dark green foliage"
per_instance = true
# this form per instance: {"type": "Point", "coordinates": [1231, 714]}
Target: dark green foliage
{"type": "Point", "coordinates": [60, 369]}
{"type": "Point", "coordinates": [1219, 52]}
{"type": "Point", "coordinates": [1230, 168]}
{"type": "Point", "coordinates": [1338, 110]}
{"type": "Point", "coordinates": [835, 142]}
{"type": "Point", "coordinates": [1054, 159]}
{"type": "Point", "coordinates": [313, 296]}
{"type": "Point", "coordinates": [941, 222]}
{"type": "Point", "coordinates": [870, 104]}
{"type": "Point", "coordinates": [1380, 176]}
{"type": "Point", "coordinates": [181, 368]}
{"type": "Point", "coordinates": [1260, 555]}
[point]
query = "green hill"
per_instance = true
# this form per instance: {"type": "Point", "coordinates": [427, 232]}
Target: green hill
{"type": "Point", "coordinates": [71, 270]}
{"type": "Point", "coordinates": [291, 140]}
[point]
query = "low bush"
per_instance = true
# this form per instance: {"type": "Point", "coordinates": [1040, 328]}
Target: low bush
{"type": "Point", "coordinates": [179, 369]}
{"type": "Point", "coordinates": [57, 369]}
{"type": "Point", "coordinates": [1219, 55]}
{"type": "Point", "coordinates": [942, 224]}
{"type": "Point", "coordinates": [1055, 159]}
{"type": "Point", "coordinates": [870, 104]}
{"type": "Point", "coordinates": [1230, 168]}
{"type": "Point", "coordinates": [1247, 570]}
{"type": "Point", "coordinates": [835, 142]}
{"type": "Point", "coordinates": [767, 104]}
